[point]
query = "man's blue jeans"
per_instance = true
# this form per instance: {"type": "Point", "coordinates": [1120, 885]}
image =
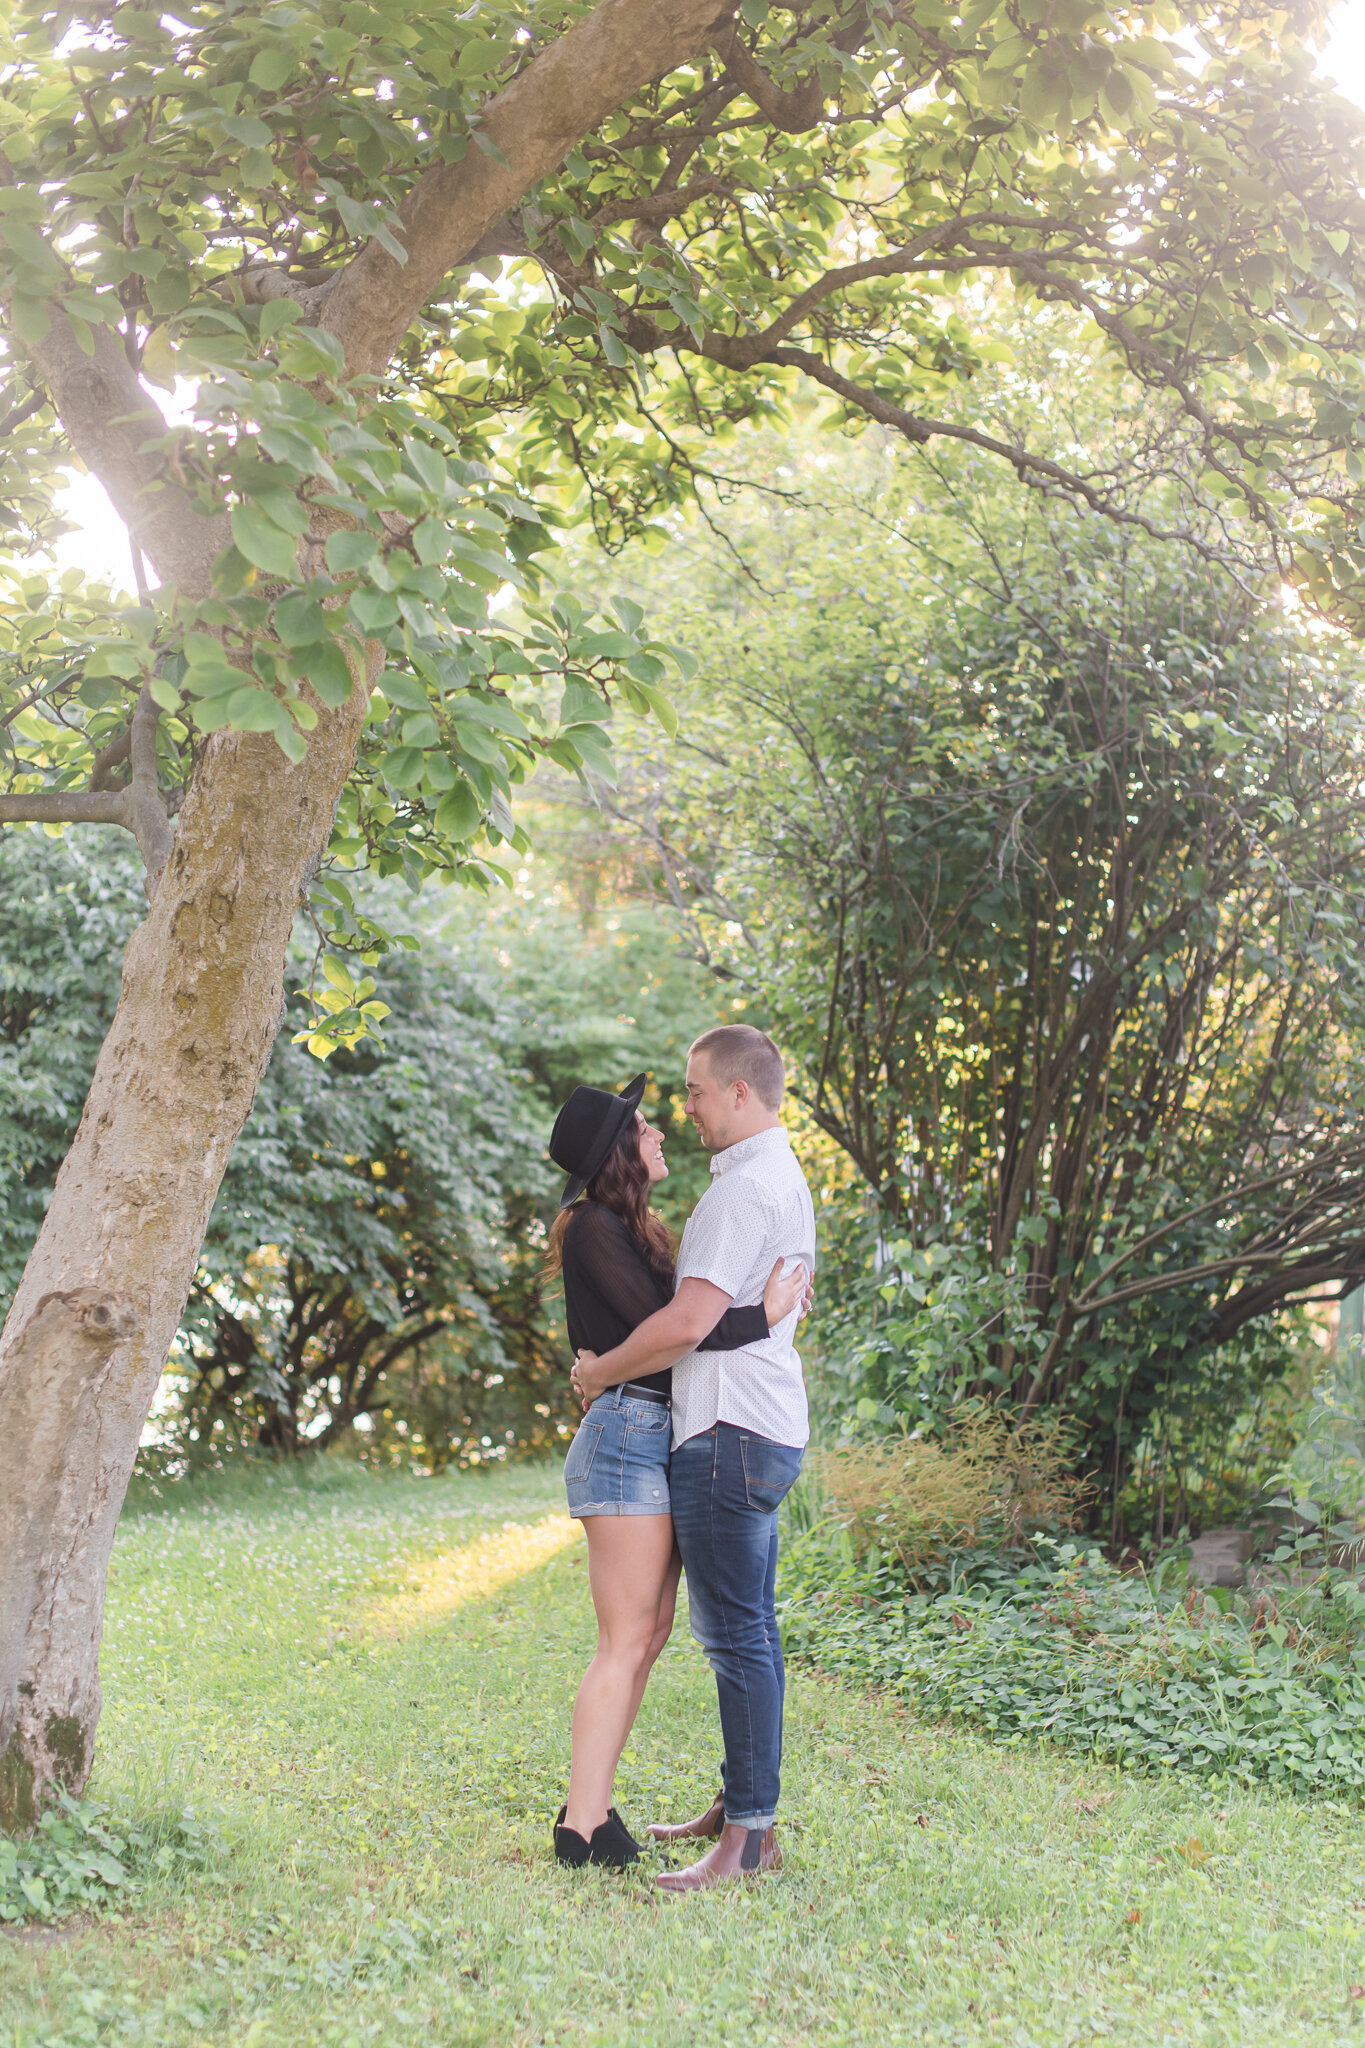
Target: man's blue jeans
{"type": "Point", "coordinates": [727, 1485]}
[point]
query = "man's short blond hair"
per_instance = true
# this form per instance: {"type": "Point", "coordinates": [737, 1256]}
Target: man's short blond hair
{"type": "Point", "coordinates": [739, 1052]}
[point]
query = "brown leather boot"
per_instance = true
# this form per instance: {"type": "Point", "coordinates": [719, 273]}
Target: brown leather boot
{"type": "Point", "coordinates": [706, 1824]}
{"type": "Point", "coordinates": [740, 1852]}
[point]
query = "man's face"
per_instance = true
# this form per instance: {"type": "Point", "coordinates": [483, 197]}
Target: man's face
{"type": "Point", "coordinates": [710, 1106]}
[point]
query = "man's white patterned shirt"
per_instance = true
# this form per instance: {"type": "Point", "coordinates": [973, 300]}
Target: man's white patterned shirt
{"type": "Point", "coordinates": [757, 1209]}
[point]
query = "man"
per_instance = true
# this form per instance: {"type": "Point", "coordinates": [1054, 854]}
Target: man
{"type": "Point", "coordinates": [739, 1429]}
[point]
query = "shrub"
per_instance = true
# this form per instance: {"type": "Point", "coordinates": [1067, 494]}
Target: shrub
{"type": "Point", "coordinates": [919, 1499]}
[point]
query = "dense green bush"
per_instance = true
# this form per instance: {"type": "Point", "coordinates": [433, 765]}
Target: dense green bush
{"type": "Point", "coordinates": [1125, 1669]}
{"type": "Point", "coordinates": [1198, 1427]}
{"type": "Point", "coordinates": [69, 907]}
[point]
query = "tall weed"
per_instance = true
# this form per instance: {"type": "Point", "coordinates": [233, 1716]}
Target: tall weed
{"type": "Point", "coordinates": [921, 1499]}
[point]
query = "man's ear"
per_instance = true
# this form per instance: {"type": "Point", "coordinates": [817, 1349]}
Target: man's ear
{"type": "Point", "coordinates": [742, 1093]}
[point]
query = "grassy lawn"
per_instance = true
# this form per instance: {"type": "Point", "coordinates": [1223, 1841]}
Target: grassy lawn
{"type": "Point", "coordinates": [368, 1683]}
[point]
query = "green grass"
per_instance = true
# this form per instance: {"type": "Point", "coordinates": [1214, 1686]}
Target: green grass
{"type": "Point", "coordinates": [368, 1682]}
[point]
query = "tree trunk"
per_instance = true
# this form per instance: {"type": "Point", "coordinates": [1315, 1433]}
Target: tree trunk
{"type": "Point", "coordinates": [86, 1338]}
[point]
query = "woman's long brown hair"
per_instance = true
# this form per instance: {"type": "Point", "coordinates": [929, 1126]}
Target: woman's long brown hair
{"type": "Point", "coordinates": [621, 1183]}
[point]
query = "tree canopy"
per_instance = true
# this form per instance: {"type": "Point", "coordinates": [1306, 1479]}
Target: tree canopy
{"type": "Point", "coordinates": [430, 285]}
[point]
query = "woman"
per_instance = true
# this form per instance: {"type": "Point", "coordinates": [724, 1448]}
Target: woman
{"type": "Point", "coordinates": [617, 1261]}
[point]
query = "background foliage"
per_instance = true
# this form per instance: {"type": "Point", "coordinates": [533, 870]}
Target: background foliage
{"type": "Point", "coordinates": [375, 1254]}
{"type": "Point", "coordinates": [1036, 847]}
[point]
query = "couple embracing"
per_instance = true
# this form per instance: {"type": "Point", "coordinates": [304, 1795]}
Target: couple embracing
{"type": "Point", "coordinates": [694, 1427]}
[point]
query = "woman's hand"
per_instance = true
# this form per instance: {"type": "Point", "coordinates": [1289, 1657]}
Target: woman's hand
{"type": "Point", "coordinates": [582, 1379]}
{"type": "Point", "coordinates": [785, 1292]}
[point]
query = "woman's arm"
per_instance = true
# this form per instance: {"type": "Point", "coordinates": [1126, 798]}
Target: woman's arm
{"type": "Point", "coordinates": [694, 1312]}
{"type": "Point", "coordinates": [661, 1340]}
{"type": "Point", "coordinates": [736, 1328]}
{"type": "Point", "coordinates": [604, 1252]}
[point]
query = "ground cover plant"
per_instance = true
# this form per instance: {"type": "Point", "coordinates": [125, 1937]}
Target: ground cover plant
{"type": "Point", "coordinates": [82, 1857]}
{"type": "Point", "coordinates": [1047, 1640]}
{"type": "Point", "coordinates": [363, 1683]}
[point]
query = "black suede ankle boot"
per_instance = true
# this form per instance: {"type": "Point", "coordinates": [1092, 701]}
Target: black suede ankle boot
{"type": "Point", "coordinates": [570, 1847]}
{"type": "Point", "coordinates": [612, 1846]}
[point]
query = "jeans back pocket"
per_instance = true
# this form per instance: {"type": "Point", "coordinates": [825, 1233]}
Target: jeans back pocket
{"type": "Point", "coordinates": [769, 1472]}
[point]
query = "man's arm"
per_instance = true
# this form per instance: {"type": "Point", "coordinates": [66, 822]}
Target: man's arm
{"type": "Point", "coordinates": [662, 1339]}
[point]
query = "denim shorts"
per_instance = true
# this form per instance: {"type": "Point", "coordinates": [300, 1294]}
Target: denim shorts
{"type": "Point", "coordinates": [618, 1461]}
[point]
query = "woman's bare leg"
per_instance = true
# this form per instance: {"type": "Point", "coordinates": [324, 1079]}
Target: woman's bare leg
{"type": "Point", "coordinates": [630, 1564]}
{"type": "Point", "coordinates": [663, 1629]}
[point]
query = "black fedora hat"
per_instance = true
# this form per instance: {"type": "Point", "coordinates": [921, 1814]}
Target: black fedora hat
{"type": "Point", "coordinates": [587, 1129]}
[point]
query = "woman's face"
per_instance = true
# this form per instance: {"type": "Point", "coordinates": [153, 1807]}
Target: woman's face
{"type": "Point", "coordinates": [651, 1143]}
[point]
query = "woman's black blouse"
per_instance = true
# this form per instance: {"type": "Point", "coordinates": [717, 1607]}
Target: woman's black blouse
{"type": "Point", "coordinates": [609, 1291]}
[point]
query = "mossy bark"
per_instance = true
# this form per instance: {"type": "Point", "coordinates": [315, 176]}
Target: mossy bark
{"type": "Point", "coordinates": [86, 1338]}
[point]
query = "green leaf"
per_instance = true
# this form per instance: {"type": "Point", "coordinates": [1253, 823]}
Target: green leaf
{"type": "Point", "coordinates": [349, 551]}
{"type": "Point", "coordinates": [431, 538]}
{"type": "Point", "coordinates": [373, 611]}
{"type": "Point", "coordinates": [428, 465]}
{"type": "Point", "coordinates": [248, 129]}
{"type": "Point", "coordinates": [592, 748]}
{"type": "Point", "coordinates": [495, 712]}
{"type": "Point", "coordinates": [263, 543]}
{"type": "Point", "coordinates": [486, 146]}
{"type": "Point", "coordinates": [290, 742]}
{"type": "Point", "coordinates": [253, 710]}
{"type": "Point", "coordinates": [299, 620]}
{"type": "Point", "coordinates": [338, 973]}
{"type": "Point", "coordinates": [326, 669]}
{"type": "Point", "coordinates": [272, 68]}
{"type": "Point", "coordinates": [479, 56]}
{"type": "Point", "coordinates": [663, 710]}
{"type": "Point", "coordinates": [158, 359]}
{"type": "Point", "coordinates": [308, 352]}
{"type": "Point", "coordinates": [402, 766]}
{"type": "Point", "coordinates": [215, 678]}
{"type": "Point", "coordinates": [277, 314]}
{"type": "Point", "coordinates": [163, 693]}
{"type": "Point", "coordinates": [603, 647]}
{"type": "Point", "coordinates": [458, 815]}
{"type": "Point", "coordinates": [404, 690]}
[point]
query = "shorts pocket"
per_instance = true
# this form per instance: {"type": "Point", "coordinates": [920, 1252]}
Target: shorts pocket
{"type": "Point", "coordinates": [582, 1451]}
{"type": "Point", "coordinates": [769, 1472]}
{"type": "Point", "coordinates": [648, 1418]}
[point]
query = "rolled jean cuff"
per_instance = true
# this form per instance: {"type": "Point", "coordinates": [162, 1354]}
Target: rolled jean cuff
{"type": "Point", "coordinates": [749, 1820]}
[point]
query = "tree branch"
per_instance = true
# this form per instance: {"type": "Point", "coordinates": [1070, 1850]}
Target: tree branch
{"type": "Point", "coordinates": [20, 413]}
{"type": "Point", "coordinates": [147, 819]}
{"type": "Point", "coordinates": [142, 807]}
{"type": "Point", "coordinates": [111, 757]}
{"type": "Point", "coordinates": [792, 110]}
{"type": "Point", "coordinates": [66, 807]}
{"type": "Point", "coordinates": [524, 132]}
{"type": "Point", "coordinates": [919, 429]}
